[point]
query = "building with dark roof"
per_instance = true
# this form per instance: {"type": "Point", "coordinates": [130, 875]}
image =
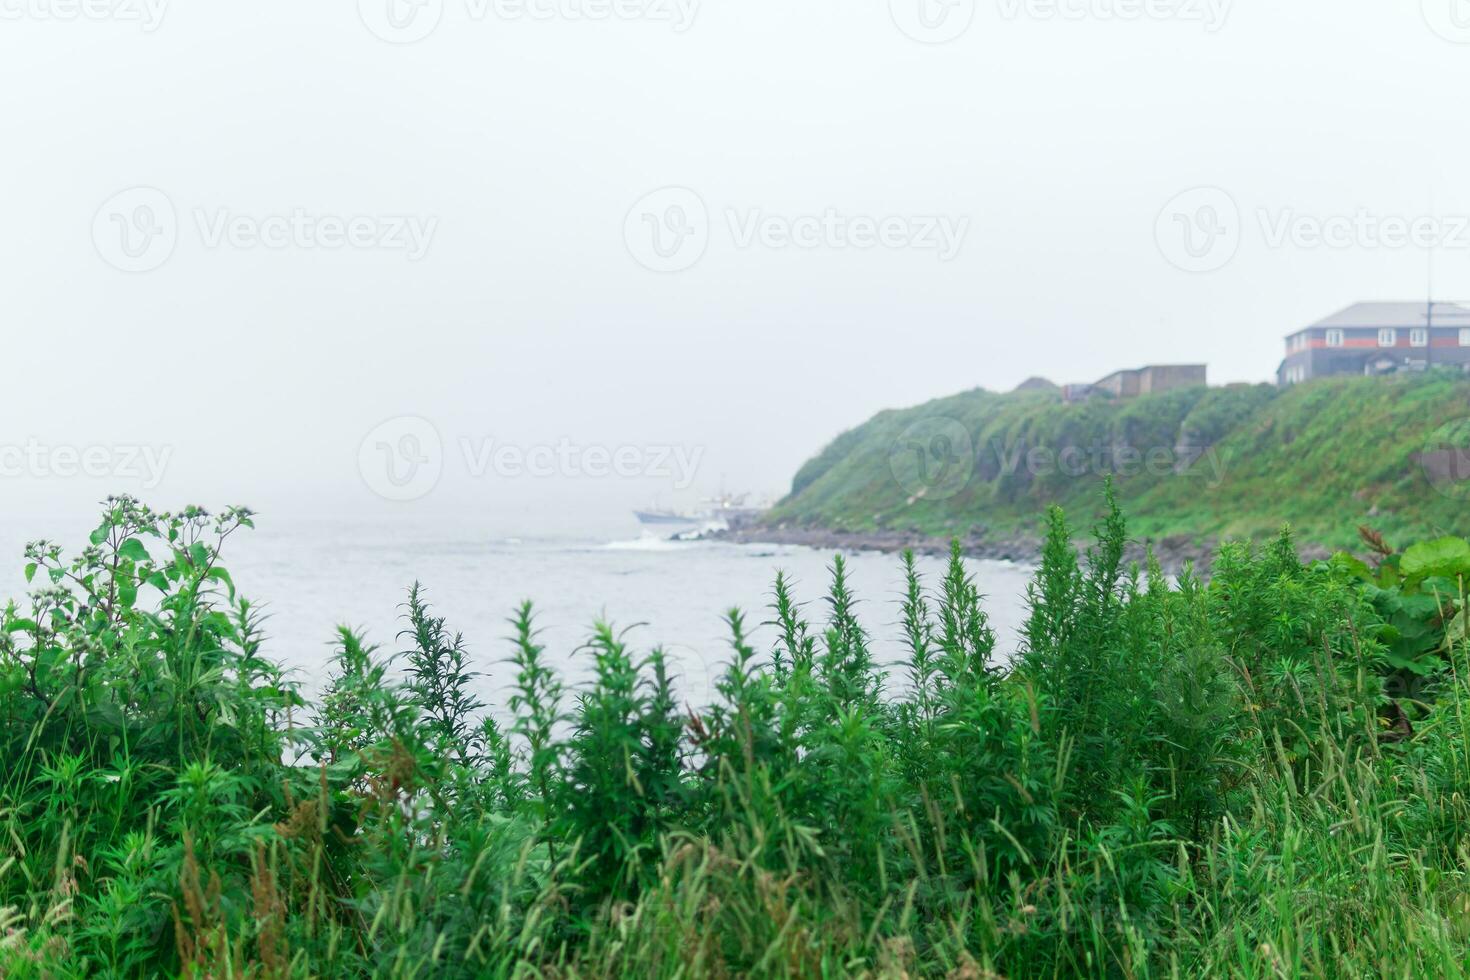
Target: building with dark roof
{"type": "Point", "coordinates": [1379, 338]}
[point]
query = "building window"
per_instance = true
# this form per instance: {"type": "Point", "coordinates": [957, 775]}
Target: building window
{"type": "Point", "coordinates": [1334, 338]}
{"type": "Point", "coordinates": [1388, 337]}
{"type": "Point", "coordinates": [1465, 336]}
{"type": "Point", "coordinates": [1419, 337]}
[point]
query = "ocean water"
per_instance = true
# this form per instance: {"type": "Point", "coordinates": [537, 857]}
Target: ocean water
{"type": "Point", "coordinates": [310, 575]}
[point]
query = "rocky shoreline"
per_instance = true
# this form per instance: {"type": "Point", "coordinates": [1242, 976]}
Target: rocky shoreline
{"type": "Point", "coordinates": [1174, 553]}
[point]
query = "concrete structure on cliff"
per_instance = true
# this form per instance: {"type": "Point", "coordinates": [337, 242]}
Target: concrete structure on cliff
{"type": "Point", "coordinates": [1141, 381]}
{"type": "Point", "coordinates": [1152, 379]}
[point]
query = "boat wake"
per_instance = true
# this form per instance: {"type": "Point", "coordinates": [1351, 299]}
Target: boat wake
{"type": "Point", "coordinates": [649, 543]}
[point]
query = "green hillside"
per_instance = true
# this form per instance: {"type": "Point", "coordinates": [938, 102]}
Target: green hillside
{"type": "Point", "coordinates": [1202, 463]}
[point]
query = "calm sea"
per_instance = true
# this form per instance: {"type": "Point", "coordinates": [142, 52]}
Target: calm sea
{"type": "Point", "coordinates": [311, 575]}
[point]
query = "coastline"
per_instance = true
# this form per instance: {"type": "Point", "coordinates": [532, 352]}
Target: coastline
{"type": "Point", "coordinates": [1173, 553]}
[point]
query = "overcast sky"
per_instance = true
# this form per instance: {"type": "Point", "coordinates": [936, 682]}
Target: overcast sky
{"type": "Point", "coordinates": [489, 246]}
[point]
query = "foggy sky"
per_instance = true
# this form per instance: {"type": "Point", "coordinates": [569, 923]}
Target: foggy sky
{"type": "Point", "coordinates": [1051, 140]}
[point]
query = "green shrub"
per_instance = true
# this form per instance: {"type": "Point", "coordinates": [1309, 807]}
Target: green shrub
{"type": "Point", "coordinates": [1175, 777]}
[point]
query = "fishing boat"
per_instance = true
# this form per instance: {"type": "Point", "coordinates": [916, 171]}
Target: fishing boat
{"type": "Point", "coordinates": [723, 510]}
{"type": "Point", "coordinates": [666, 518]}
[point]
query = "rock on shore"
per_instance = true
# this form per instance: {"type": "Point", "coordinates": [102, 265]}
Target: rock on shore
{"type": "Point", "coordinates": [1174, 553]}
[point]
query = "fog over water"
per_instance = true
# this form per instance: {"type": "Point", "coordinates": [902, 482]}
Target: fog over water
{"type": "Point", "coordinates": [415, 280]}
{"type": "Point", "coordinates": [309, 576]}
{"type": "Point", "coordinates": [246, 236]}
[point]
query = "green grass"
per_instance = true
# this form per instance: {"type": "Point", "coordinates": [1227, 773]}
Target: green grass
{"type": "Point", "coordinates": [1252, 777]}
{"type": "Point", "coordinates": [1326, 457]}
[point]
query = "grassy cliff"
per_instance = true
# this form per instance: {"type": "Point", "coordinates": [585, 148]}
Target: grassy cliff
{"type": "Point", "coordinates": [1199, 463]}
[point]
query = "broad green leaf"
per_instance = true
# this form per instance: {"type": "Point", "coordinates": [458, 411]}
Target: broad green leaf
{"type": "Point", "coordinates": [133, 550]}
{"type": "Point", "coordinates": [1421, 666]}
{"type": "Point", "coordinates": [223, 576]}
{"type": "Point", "coordinates": [30, 571]}
{"type": "Point", "coordinates": [105, 715]}
{"type": "Point", "coordinates": [1355, 567]}
{"type": "Point", "coordinates": [1389, 575]}
{"type": "Point", "coordinates": [1448, 557]}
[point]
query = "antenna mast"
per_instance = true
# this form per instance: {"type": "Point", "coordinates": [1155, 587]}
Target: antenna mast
{"type": "Point", "coordinates": [1429, 302]}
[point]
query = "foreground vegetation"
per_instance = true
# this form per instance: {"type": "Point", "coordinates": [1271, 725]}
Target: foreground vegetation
{"type": "Point", "coordinates": [1265, 775]}
{"type": "Point", "coordinates": [1325, 456]}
